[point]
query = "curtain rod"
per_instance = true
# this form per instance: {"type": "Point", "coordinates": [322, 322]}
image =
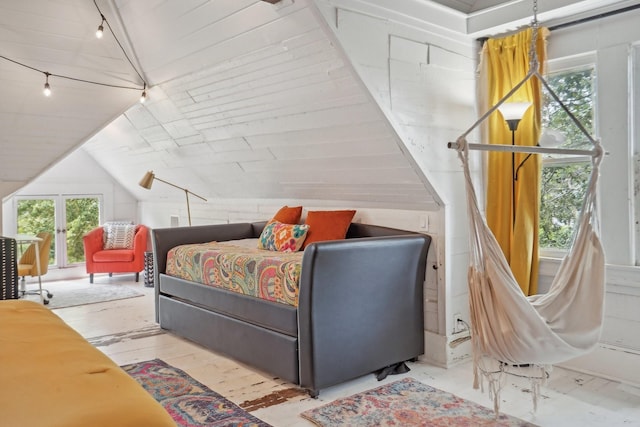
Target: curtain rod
{"type": "Point", "coordinates": [594, 17]}
{"type": "Point", "coordinates": [584, 20]}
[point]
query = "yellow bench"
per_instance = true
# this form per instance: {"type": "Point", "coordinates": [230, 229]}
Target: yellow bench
{"type": "Point", "coordinates": [51, 376]}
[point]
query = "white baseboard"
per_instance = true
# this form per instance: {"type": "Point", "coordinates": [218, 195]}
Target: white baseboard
{"type": "Point", "coordinates": [605, 361]}
{"type": "Point", "coordinates": [446, 351]}
{"type": "Point", "coordinates": [609, 362]}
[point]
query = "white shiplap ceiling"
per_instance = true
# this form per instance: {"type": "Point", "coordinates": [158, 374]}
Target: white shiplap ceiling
{"type": "Point", "coordinates": [469, 6]}
{"type": "Point", "coordinates": [56, 37]}
{"type": "Point", "coordinates": [254, 100]}
{"type": "Point", "coordinates": [247, 99]}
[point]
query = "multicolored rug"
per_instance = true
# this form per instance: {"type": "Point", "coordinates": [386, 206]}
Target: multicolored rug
{"type": "Point", "coordinates": [71, 294]}
{"type": "Point", "coordinates": [407, 402]}
{"type": "Point", "coordinates": [188, 401]}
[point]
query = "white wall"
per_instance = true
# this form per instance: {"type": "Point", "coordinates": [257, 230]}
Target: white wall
{"type": "Point", "coordinates": [611, 41]}
{"type": "Point", "coordinates": [424, 82]}
{"type": "Point", "coordinates": [421, 80]}
{"type": "Point", "coordinates": [76, 174]}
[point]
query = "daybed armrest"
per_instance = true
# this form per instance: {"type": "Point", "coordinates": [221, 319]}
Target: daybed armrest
{"type": "Point", "coordinates": [360, 306]}
{"type": "Point", "coordinates": [164, 239]}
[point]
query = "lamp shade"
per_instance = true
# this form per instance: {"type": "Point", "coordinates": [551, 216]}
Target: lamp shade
{"type": "Point", "coordinates": [514, 110]}
{"type": "Point", "coordinates": [147, 180]}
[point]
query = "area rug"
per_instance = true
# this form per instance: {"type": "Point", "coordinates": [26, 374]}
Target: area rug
{"type": "Point", "coordinates": [407, 402]}
{"type": "Point", "coordinates": [70, 294]}
{"type": "Point", "coordinates": [189, 402]}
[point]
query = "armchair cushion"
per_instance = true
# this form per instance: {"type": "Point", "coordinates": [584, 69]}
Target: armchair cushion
{"type": "Point", "coordinates": [114, 255]}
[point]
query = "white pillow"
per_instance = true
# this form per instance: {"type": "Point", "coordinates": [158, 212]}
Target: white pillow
{"type": "Point", "coordinates": [119, 236]}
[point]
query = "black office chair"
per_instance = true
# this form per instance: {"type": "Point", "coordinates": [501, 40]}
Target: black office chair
{"type": "Point", "coordinates": [8, 268]}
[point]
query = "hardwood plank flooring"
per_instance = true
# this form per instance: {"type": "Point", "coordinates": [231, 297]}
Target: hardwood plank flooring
{"type": "Point", "coordinates": [126, 331]}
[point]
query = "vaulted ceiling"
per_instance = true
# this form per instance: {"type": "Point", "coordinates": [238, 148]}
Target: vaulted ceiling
{"type": "Point", "coordinates": [252, 100]}
{"type": "Point", "coordinates": [246, 99]}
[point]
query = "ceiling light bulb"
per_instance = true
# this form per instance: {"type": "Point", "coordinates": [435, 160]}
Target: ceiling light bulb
{"type": "Point", "coordinates": [143, 97]}
{"type": "Point", "coordinates": [47, 88]}
{"type": "Point", "coordinates": [100, 31]}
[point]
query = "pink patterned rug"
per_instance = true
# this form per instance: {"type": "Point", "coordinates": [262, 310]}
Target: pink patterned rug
{"type": "Point", "coordinates": [189, 402]}
{"type": "Point", "coordinates": [407, 402]}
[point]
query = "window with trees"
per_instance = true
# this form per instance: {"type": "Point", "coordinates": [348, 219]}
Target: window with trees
{"type": "Point", "coordinates": [67, 218]}
{"type": "Point", "coordinates": [564, 178]}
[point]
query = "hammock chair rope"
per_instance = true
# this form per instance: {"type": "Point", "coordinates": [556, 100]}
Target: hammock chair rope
{"type": "Point", "coordinates": [508, 328]}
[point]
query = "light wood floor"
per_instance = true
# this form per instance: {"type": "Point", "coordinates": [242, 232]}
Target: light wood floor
{"type": "Point", "coordinates": [125, 330]}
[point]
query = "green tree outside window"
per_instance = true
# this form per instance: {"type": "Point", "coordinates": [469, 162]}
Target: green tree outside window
{"type": "Point", "coordinates": [564, 180]}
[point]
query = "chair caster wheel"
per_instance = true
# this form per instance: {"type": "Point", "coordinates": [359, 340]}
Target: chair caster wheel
{"type": "Point", "coordinates": [46, 302]}
{"type": "Point", "coordinates": [49, 295]}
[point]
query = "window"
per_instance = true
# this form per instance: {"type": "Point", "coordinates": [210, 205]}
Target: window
{"type": "Point", "coordinates": [564, 178]}
{"type": "Point", "coordinates": [66, 217]}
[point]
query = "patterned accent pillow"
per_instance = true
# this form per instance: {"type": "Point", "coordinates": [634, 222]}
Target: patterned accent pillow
{"type": "Point", "coordinates": [277, 236]}
{"type": "Point", "coordinates": [119, 236]}
{"type": "Point", "coordinates": [108, 224]}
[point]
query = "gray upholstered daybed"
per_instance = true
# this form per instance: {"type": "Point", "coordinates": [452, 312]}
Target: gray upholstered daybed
{"type": "Point", "coordinates": [360, 305]}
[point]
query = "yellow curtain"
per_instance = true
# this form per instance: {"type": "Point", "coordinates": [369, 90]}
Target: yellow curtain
{"type": "Point", "coordinates": [506, 63]}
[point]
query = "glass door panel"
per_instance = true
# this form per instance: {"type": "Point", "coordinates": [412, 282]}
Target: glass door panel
{"type": "Point", "coordinates": [67, 218]}
{"type": "Point", "coordinates": [82, 215]}
{"type": "Point", "coordinates": [36, 215]}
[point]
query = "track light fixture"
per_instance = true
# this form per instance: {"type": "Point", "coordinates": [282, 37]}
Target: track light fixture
{"type": "Point", "coordinates": [47, 88]}
{"type": "Point", "coordinates": [100, 31]}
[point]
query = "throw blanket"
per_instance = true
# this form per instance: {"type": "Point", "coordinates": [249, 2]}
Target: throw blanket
{"type": "Point", "coordinates": [241, 268]}
{"type": "Point", "coordinates": [50, 376]}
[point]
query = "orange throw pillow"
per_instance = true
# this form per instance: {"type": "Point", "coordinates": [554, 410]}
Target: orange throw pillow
{"type": "Point", "coordinates": [288, 215]}
{"type": "Point", "coordinates": [327, 225]}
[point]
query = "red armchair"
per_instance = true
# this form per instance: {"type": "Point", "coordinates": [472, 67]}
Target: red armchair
{"type": "Point", "coordinates": [100, 260]}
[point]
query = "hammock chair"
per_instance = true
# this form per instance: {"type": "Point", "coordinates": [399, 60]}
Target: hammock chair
{"type": "Point", "coordinates": [508, 328]}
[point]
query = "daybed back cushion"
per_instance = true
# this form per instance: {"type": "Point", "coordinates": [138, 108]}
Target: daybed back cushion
{"type": "Point", "coordinates": [239, 266]}
{"type": "Point", "coordinates": [327, 225]}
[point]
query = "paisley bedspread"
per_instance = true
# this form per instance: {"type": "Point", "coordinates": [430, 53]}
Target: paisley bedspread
{"type": "Point", "coordinates": [241, 268]}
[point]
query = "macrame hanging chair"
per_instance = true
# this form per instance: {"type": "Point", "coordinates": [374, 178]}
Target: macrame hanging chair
{"type": "Point", "coordinates": [508, 328]}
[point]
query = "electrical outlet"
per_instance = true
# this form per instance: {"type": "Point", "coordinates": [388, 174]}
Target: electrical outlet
{"type": "Point", "coordinates": [458, 323]}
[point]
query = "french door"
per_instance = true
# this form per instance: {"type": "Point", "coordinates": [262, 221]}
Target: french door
{"type": "Point", "coordinates": [66, 217]}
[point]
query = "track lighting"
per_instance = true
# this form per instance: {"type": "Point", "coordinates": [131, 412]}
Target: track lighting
{"type": "Point", "coordinates": [47, 88]}
{"type": "Point", "coordinates": [100, 31]}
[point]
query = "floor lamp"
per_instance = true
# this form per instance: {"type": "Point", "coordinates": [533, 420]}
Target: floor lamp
{"type": "Point", "coordinates": [149, 177]}
{"type": "Point", "coordinates": [512, 113]}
